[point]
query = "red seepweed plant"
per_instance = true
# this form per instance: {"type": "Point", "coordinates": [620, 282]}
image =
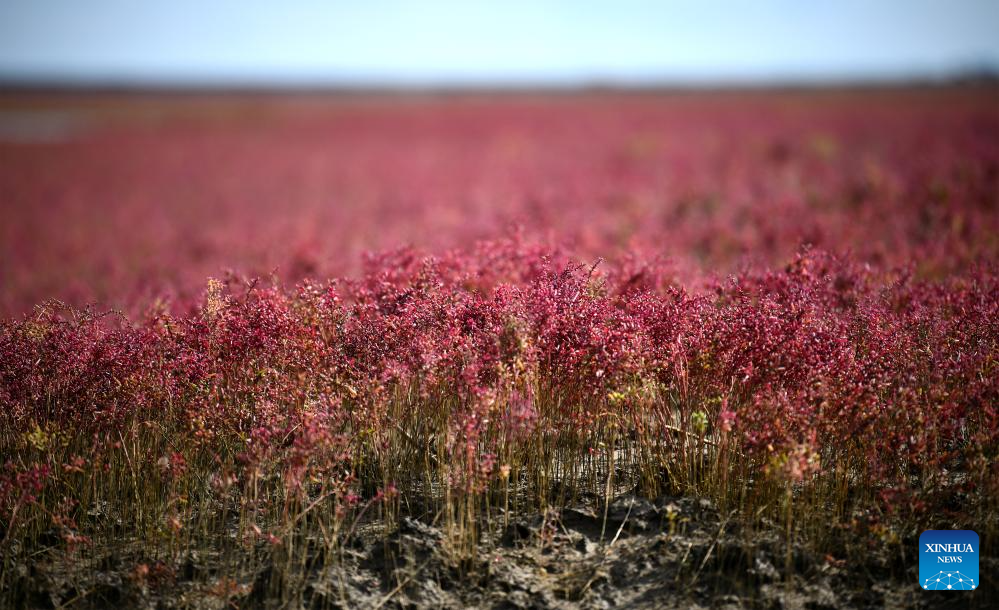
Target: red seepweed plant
{"type": "Point", "coordinates": [270, 423]}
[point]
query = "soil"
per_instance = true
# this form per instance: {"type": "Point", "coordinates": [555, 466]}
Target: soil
{"type": "Point", "coordinates": [670, 553]}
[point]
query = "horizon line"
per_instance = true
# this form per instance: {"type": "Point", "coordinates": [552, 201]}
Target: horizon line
{"type": "Point", "coordinates": [988, 74]}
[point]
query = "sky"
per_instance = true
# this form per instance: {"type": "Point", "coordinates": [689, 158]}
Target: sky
{"type": "Point", "coordinates": [406, 42]}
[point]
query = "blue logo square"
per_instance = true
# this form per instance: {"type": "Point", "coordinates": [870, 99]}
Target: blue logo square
{"type": "Point", "coordinates": [948, 560]}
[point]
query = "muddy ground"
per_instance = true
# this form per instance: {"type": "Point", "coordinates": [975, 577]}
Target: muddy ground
{"type": "Point", "coordinates": [671, 553]}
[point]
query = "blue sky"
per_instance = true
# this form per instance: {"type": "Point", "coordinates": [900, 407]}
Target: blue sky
{"type": "Point", "coordinates": [408, 42]}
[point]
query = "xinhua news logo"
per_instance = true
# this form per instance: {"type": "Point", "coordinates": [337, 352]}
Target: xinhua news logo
{"type": "Point", "coordinates": [948, 560]}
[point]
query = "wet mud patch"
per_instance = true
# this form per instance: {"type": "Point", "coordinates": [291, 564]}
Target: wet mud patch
{"type": "Point", "coordinates": [633, 553]}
